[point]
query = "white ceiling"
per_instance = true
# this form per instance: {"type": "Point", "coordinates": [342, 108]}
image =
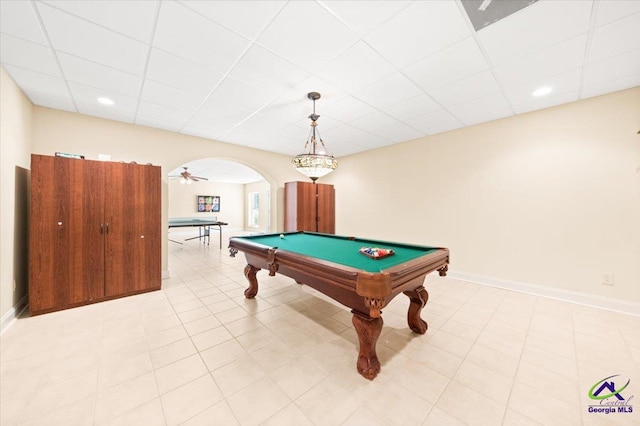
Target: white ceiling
{"type": "Point", "coordinates": [388, 71]}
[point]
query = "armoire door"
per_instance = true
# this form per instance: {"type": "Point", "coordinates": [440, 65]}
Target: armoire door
{"type": "Point", "coordinates": [132, 212]}
{"type": "Point", "coordinates": [300, 207]}
{"type": "Point", "coordinates": [66, 233]}
{"type": "Point", "coordinates": [326, 208]}
{"type": "Point", "coordinates": [149, 224]}
{"type": "Point", "coordinates": [309, 207]}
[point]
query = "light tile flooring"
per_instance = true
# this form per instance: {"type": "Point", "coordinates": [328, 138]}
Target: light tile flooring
{"type": "Point", "coordinates": [198, 353]}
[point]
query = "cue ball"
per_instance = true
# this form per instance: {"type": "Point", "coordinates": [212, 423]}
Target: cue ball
{"type": "Point", "coordinates": [281, 235]}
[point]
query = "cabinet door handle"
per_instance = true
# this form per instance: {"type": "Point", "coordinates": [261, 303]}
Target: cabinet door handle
{"type": "Point", "coordinates": [102, 228]}
{"type": "Point", "coordinates": [107, 227]}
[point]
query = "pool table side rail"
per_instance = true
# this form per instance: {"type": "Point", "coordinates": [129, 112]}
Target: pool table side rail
{"type": "Point", "coordinates": [331, 278]}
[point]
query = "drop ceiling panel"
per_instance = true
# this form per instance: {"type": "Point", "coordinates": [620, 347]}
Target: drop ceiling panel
{"type": "Point", "coordinates": [163, 112]}
{"type": "Point", "coordinates": [388, 91]}
{"type": "Point", "coordinates": [539, 26]}
{"type": "Point", "coordinates": [133, 18]}
{"type": "Point", "coordinates": [157, 124]}
{"type": "Point", "coordinates": [473, 87]}
{"type": "Point", "coordinates": [347, 109]}
{"type": "Point", "coordinates": [226, 110]}
{"type": "Point", "coordinates": [413, 107]}
{"type": "Point", "coordinates": [613, 68]}
{"type": "Point", "coordinates": [99, 76]}
{"type": "Point", "coordinates": [181, 74]}
{"type": "Point", "coordinates": [284, 112]}
{"type": "Point", "coordinates": [64, 104]}
{"type": "Point", "coordinates": [566, 82]}
{"type": "Point", "coordinates": [485, 108]}
{"type": "Point", "coordinates": [298, 92]}
{"type": "Point", "coordinates": [547, 102]}
{"type": "Point", "coordinates": [377, 13]}
{"type": "Point", "coordinates": [615, 38]}
{"type": "Point", "coordinates": [238, 93]}
{"type": "Point", "coordinates": [248, 18]}
{"type": "Point", "coordinates": [89, 95]}
{"type": "Point", "coordinates": [191, 36]}
{"type": "Point", "coordinates": [610, 86]}
{"type": "Point", "coordinates": [453, 63]}
{"type": "Point", "coordinates": [19, 19]}
{"type": "Point", "coordinates": [356, 68]}
{"type": "Point", "coordinates": [83, 39]}
{"type": "Point", "coordinates": [25, 54]}
{"type": "Point", "coordinates": [418, 31]}
{"type": "Point", "coordinates": [108, 113]}
{"type": "Point", "coordinates": [31, 81]}
{"type": "Point", "coordinates": [216, 126]}
{"type": "Point", "coordinates": [263, 69]}
{"type": "Point", "coordinates": [544, 63]}
{"type": "Point", "coordinates": [612, 10]}
{"type": "Point", "coordinates": [338, 137]}
{"type": "Point", "coordinates": [324, 37]}
{"type": "Point", "coordinates": [244, 136]}
{"type": "Point", "coordinates": [435, 122]}
{"type": "Point", "coordinates": [186, 102]}
{"type": "Point", "coordinates": [386, 127]}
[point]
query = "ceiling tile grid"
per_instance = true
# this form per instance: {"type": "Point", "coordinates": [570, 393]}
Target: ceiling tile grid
{"type": "Point", "coordinates": [388, 71]}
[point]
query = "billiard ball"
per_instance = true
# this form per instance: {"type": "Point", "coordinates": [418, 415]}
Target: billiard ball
{"type": "Point", "coordinates": [281, 235]}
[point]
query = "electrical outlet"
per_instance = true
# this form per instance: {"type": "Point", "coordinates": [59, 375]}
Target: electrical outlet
{"type": "Point", "coordinates": [607, 279]}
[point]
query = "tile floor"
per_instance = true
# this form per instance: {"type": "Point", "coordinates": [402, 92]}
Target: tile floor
{"type": "Point", "coordinates": [198, 353]}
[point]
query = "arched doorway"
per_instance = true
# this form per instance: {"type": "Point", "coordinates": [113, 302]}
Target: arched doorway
{"type": "Point", "coordinates": [220, 189]}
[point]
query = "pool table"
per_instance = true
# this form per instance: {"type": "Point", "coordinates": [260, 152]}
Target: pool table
{"type": "Point", "coordinates": [335, 266]}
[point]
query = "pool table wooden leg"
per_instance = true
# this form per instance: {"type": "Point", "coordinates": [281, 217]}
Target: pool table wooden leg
{"type": "Point", "coordinates": [368, 330]}
{"type": "Point", "coordinates": [418, 298]}
{"type": "Point", "coordinates": [250, 272]}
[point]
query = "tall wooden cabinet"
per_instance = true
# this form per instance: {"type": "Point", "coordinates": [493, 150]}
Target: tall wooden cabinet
{"type": "Point", "coordinates": [309, 207]}
{"type": "Point", "coordinates": [95, 231]}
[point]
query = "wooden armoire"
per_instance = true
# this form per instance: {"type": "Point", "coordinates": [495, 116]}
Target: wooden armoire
{"type": "Point", "coordinates": [95, 231]}
{"type": "Point", "coordinates": [309, 207]}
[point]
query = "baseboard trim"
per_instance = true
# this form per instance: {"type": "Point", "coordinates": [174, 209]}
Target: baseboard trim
{"type": "Point", "coordinates": [166, 274]}
{"type": "Point", "coordinates": [607, 303]}
{"type": "Point", "coordinates": [8, 318]}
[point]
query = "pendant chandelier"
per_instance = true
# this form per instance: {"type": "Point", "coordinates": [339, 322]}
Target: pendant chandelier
{"type": "Point", "coordinates": [317, 162]}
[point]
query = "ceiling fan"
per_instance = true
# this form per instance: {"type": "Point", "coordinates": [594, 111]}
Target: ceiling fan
{"type": "Point", "coordinates": [187, 177]}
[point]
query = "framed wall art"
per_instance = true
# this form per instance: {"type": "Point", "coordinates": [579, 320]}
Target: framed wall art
{"type": "Point", "coordinates": [208, 203]}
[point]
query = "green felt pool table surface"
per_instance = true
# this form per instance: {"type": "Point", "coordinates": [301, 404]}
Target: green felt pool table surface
{"type": "Point", "coordinates": [342, 250]}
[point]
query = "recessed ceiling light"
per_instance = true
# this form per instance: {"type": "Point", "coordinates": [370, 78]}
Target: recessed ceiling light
{"type": "Point", "coordinates": [542, 91]}
{"type": "Point", "coordinates": [105, 101]}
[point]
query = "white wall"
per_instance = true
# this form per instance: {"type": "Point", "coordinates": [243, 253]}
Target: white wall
{"type": "Point", "coordinates": [182, 201]}
{"type": "Point", "coordinates": [549, 198]}
{"type": "Point", "coordinates": [15, 160]}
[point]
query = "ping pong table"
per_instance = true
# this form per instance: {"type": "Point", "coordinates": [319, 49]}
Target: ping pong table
{"type": "Point", "coordinates": [204, 228]}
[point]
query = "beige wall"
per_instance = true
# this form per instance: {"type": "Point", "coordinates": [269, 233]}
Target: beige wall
{"type": "Point", "coordinates": [15, 147]}
{"type": "Point", "coordinates": [549, 198]}
{"type": "Point", "coordinates": [182, 201]}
